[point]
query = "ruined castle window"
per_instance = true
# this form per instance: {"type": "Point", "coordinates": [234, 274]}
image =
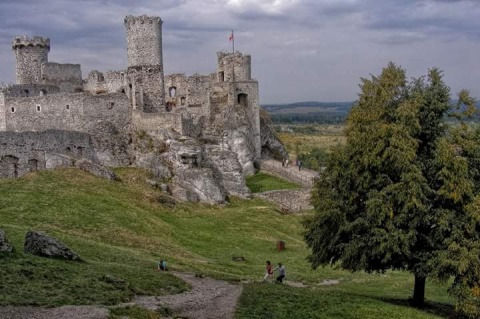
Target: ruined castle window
{"type": "Point", "coordinates": [123, 91]}
{"type": "Point", "coordinates": [39, 108]}
{"type": "Point", "coordinates": [169, 106]}
{"type": "Point", "coordinates": [242, 99]}
{"type": "Point", "coordinates": [13, 110]}
{"type": "Point", "coordinates": [171, 91]}
{"type": "Point", "coordinates": [122, 77]}
{"type": "Point", "coordinates": [43, 92]}
{"type": "Point", "coordinates": [79, 151]}
{"type": "Point", "coordinates": [26, 93]}
{"type": "Point", "coordinates": [182, 100]}
{"type": "Point", "coordinates": [68, 149]}
{"type": "Point", "coordinates": [67, 107]}
{"type": "Point", "coordinates": [110, 105]}
{"type": "Point", "coordinates": [221, 76]}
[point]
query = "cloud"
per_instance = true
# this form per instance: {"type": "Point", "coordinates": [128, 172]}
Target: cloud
{"type": "Point", "coordinates": [301, 49]}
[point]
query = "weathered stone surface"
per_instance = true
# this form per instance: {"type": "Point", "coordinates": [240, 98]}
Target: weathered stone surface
{"type": "Point", "coordinates": [97, 170]}
{"type": "Point", "coordinates": [202, 183]}
{"type": "Point", "coordinates": [271, 145]}
{"type": "Point", "coordinates": [40, 244]}
{"type": "Point", "coordinates": [5, 246]}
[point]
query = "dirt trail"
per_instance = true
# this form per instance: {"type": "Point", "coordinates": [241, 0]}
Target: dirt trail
{"type": "Point", "coordinates": [208, 298]}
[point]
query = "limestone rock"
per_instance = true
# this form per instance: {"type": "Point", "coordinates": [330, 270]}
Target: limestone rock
{"type": "Point", "coordinates": [40, 244]}
{"type": "Point", "coordinates": [97, 170]}
{"type": "Point", "coordinates": [228, 171]}
{"type": "Point", "coordinates": [271, 146]}
{"type": "Point", "coordinates": [5, 246]}
{"type": "Point", "coordinates": [201, 182]}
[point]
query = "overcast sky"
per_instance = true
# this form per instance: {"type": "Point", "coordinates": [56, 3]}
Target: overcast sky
{"type": "Point", "coordinates": [302, 50]}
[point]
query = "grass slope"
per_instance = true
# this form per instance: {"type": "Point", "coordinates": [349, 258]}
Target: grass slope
{"type": "Point", "coordinates": [262, 182]}
{"type": "Point", "coordinates": [121, 230]}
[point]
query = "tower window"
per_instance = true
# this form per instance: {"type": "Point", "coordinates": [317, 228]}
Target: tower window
{"type": "Point", "coordinates": [171, 91]}
{"type": "Point", "coordinates": [43, 92]}
{"type": "Point", "coordinates": [221, 76]}
{"type": "Point", "coordinates": [26, 93]}
{"type": "Point", "coordinates": [110, 105]}
{"type": "Point", "coordinates": [67, 106]}
{"type": "Point", "coordinates": [13, 110]}
{"type": "Point", "coordinates": [39, 108]}
{"type": "Point", "coordinates": [182, 100]}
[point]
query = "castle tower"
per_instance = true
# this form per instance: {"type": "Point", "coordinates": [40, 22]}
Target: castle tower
{"type": "Point", "coordinates": [144, 40]}
{"type": "Point", "coordinates": [234, 67]}
{"type": "Point", "coordinates": [145, 62]}
{"type": "Point", "coordinates": [30, 54]}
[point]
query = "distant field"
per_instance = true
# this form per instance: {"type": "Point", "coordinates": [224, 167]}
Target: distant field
{"type": "Point", "coordinates": [321, 136]}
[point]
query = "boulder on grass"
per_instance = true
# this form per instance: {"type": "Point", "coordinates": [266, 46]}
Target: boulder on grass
{"type": "Point", "coordinates": [5, 246]}
{"type": "Point", "coordinates": [40, 244]}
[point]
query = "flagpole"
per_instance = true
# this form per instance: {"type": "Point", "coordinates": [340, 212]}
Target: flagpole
{"type": "Point", "coordinates": [233, 43]}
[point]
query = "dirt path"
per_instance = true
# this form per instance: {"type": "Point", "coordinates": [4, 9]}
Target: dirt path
{"type": "Point", "coordinates": [69, 312]}
{"type": "Point", "coordinates": [208, 298]}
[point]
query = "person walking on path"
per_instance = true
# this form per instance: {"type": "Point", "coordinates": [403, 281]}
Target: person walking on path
{"type": "Point", "coordinates": [299, 165]}
{"type": "Point", "coordinates": [268, 271]}
{"type": "Point", "coordinates": [281, 273]}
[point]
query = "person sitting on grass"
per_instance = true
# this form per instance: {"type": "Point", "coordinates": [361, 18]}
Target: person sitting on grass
{"type": "Point", "coordinates": [162, 265]}
{"type": "Point", "coordinates": [281, 273]}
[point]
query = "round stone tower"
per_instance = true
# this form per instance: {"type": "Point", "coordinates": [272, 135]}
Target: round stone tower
{"type": "Point", "coordinates": [30, 53]}
{"type": "Point", "coordinates": [234, 67]}
{"type": "Point", "coordinates": [144, 41]}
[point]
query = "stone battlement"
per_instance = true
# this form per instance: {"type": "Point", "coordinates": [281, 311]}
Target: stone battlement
{"type": "Point", "coordinates": [25, 41]}
{"type": "Point", "coordinates": [129, 20]}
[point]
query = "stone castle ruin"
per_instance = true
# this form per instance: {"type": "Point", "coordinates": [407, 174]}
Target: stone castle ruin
{"type": "Point", "coordinates": [200, 134]}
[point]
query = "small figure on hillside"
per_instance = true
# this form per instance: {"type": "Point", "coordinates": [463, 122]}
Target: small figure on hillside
{"type": "Point", "coordinates": [268, 271]}
{"type": "Point", "coordinates": [286, 162]}
{"type": "Point", "coordinates": [299, 165]}
{"type": "Point", "coordinates": [162, 265]}
{"type": "Point", "coordinates": [283, 162]}
{"type": "Point", "coordinates": [281, 273]}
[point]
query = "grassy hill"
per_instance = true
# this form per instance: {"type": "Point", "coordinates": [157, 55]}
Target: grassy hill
{"type": "Point", "coordinates": [122, 228]}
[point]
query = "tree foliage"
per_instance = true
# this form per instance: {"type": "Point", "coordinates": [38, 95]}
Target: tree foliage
{"type": "Point", "coordinates": [403, 192]}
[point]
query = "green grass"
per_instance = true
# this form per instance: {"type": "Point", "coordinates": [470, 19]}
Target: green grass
{"type": "Point", "coordinates": [262, 182]}
{"type": "Point", "coordinates": [121, 230]}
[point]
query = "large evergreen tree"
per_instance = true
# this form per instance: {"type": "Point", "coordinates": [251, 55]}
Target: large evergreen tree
{"type": "Point", "coordinates": [402, 193]}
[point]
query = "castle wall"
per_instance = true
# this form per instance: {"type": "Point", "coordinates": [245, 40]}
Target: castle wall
{"type": "Point", "coordinates": [251, 105]}
{"type": "Point", "coordinates": [68, 77]}
{"type": "Point", "coordinates": [115, 81]}
{"type": "Point", "coordinates": [198, 92]}
{"type": "Point", "coordinates": [176, 83]}
{"type": "Point", "coordinates": [29, 90]}
{"type": "Point", "coordinates": [25, 152]}
{"type": "Point", "coordinates": [157, 121]}
{"type": "Point", "coordinates": [76, 112]}
{"type": "Point", "coordinates": [148, 91]}
{"type": "Point", "coordinates": [3, 123]}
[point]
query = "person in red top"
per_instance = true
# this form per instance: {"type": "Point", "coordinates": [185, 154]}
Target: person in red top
{"type": "Point", "coordinates": [268, 272]}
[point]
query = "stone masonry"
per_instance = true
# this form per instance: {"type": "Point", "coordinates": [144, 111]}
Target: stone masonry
{"type": "Point", "coordinates": [200, 133]}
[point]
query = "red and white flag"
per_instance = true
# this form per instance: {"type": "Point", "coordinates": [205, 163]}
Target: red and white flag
{"type": "Point", "coordinates": [230, 38]}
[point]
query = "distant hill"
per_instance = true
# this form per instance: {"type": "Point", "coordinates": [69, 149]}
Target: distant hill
{"type": "Point", "coordinates": [309, 112]}
{"type": "Point", "coordinates": [316, 112]}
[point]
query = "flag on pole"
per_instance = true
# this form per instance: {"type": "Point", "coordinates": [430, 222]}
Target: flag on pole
{"type": "Point", "coordinates": [232, 39]}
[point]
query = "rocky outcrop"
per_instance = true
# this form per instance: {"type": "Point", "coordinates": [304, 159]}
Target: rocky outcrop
{"type": "Point", "coordinates": [271, 145]}
{"type": "Point", "coordinates": [202, 183]}
{"type": "Point", "coordinates": [97, 170]}
{"type": "Point", "coordinates": [5, 246]}
{"type": "Point", "coordinates": [40, 244]}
